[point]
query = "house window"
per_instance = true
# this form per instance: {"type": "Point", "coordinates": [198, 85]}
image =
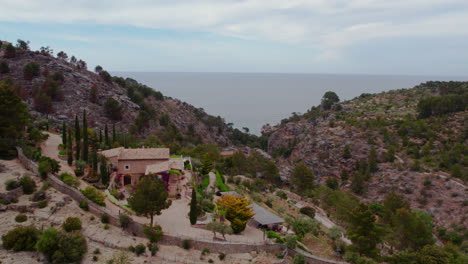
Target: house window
{"type": "Point", "coordinates": [127, 167]}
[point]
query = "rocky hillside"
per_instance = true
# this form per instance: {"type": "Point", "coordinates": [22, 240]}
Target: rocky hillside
{"type": "Point", "coordinates": [374, 144]}
{"type": "Point", "coordinates": [58, 88]}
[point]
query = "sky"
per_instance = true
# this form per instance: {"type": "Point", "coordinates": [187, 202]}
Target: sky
{"type": "Point", "coordinates": [410, 37]}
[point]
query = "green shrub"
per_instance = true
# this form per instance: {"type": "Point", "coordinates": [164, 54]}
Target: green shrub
{"type": "Point", "coordinates": [282, 195]}
{"type": "Point", "coordinates": [220, 183]}
{"type": "Point", "coordinates": [140, 249]}
{"type": "Point", "coordinates": [42, 204]}
{"type": "Point", "coordinates": [11, 185]}
{"type": "Point", "coordinates": [84, 205]}
{"type": "Point", "coordinates": [48, 242]}
{"type": "Point", "coordinates": [69, 179]}
{"type": "Point", "coordinates": [124, 220]}
{"type": "Point", "coordinates": [39, 196]}
{"type": "Point", "coordinates": [28, 184]}
{"type": "Point", "coordinates": [113, 109]}
{"type": "Point", "coordinates": [154, 234]}
{"type": "Point", "coordinates": [71, 224]}
{"type": "Point", "coordinates": [153, 248]}
{"type": "Point", "coordinates": [70, 249]}
{"type": "Point", "coordinates": [205, 182]}
{"type": "Point", "coordinates": [273, 234]}
{"type": "Point", "coordinates": [21, 218]}
{"type": "Point", "coordinates": [290, 241]}
{"type": "Point", "coordinates": [205, 251]}
{"type": "Point", "coordinates": [309, 211]}
{"type": "Point", "coordinates": [94, 195]}
{"type": "Point", "coordinates": [4, 68]}
{"type": "Point", "coordinates": [63, 152]}
{"type": "Point", "coordinates": [187, 244]}
{"type": "Point", "coordinates": [21, 238]}
{"type": "Point", "coordinates": [221, 256]}
{"type": "Point", "coordinates": [106, 227]}
{"type": "Point", "coordinates": [31, 70]}
{"type": "Point", "coordinates": [299, 259]}
{"type": "Point", "coordinates": [105, 219]}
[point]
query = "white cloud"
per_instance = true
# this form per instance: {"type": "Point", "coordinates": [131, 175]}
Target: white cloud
{"type": "Point", "coordinates": [326, 25]}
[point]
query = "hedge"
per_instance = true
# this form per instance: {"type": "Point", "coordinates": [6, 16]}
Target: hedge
{"type": "Point", "coordinates": [219, 181]}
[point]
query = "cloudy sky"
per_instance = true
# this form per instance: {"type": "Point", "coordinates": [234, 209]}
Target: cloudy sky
{"type": "Point", "coordinates": [428, 37]}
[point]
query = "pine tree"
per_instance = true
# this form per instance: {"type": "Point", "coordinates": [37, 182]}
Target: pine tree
{"type": "Point", "coordinates": [363, 231]}
{"type": "Point", "coordinates": [114, 136]}
{"type": "Point", "coordinates": [64, 134]}
{"type": "Point", "coordinates": [303, 177]}
{"type": "Point", "coordinates": [69, 148]}
{"type": "Point", "coordinates": [193, 208]}
{"type": "Point", "coordinates": [106, 136]}
{"type": "Point", "coordinates": [85, 137]}
{"type": "Point", "coordinates": [77, 138]}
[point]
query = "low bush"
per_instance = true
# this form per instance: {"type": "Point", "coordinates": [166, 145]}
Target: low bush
{"type": "Point", "coordinates": [205, 182]}
{"type": "Point", "coordinates": [71, 248]}
{"type": "Point", "coordinates": [221, 256]}
{"type": "Point", "coordinates": [154, 234]}
{"type": "Point", "coordinates": [31, 70]}
{"type": "Point", "coordinates": [309, 211]}
{"type": "Point", "coordinates": [187, 244]}
{"type": "Point", "coordinates": [94, 195]}
{"type": "Point", "coordinates": [63, 152]}
{"type": "Point", "coordinates": [282, 195]}
{"type": "Point", "coordinates": [220, 183]}
{"type": "Point", "coordinates": [11, 185]}
{"type": "Point", "coordinates": [106, 227]}
{"type": "Point", "coordinates": [153, 248]}
{"type": "Point", "coordinates": [38, 196]}
{"type": "Point", "coordinates": [205, 251]}
{"type": "Point", "coordinates": [28, 184]}
{"type": "Point", "coordinates": [69, 179]}
{"type": "Point", "coordinates": [140, 249]}
{"type": "Point", "coordinates": [22, 238]}
{"type": "Point", "coordinates": [124, 220]}
{"type": "Point", "coordinates": [42, 204]}
{"type": "Point", "coordinates": [84, 205]}
{"type": "Point", "coordinates": [21, 218]}
{"type": "Point", "coordinates": [71, 224]}
{"type": "Point", "coordinates": [290, 241]}
{"type": "Point", "coordinates": [299, 259]}
{"type": "Point", "coordinates": [104, 219]}
{"type": "Point", "coordinates": [273, 234]}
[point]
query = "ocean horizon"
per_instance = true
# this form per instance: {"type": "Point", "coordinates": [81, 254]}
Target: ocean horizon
{"type": "Point", "coordinates": [254, 99]}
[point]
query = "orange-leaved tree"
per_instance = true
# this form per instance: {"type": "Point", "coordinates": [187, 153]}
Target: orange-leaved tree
{"type": "Point", "coordinates": [238, 211]}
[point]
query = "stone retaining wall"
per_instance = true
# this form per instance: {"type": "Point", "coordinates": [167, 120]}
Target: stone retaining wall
{"type": "Point", "coordinates": [136, 228]}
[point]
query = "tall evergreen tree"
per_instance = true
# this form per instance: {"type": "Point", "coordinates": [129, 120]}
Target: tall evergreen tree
{"type": "Point", "coordinates": [85, 137]}
{"type": "Point", "coordinates": [69, 148]}
{"type": "Point", "coordinates": [114, 136]}
{"type": "Point", "coordinates": [94, 158]}
{"type": "Point", "coordinates": [193, 208]}
{"type": "Point", "coordinates": [106, 136]}
{"type": "Point", "coordinates": [303, 177]}
{"type": "Point", "coordinates": [103, 170]}
{"type": "Point", "coordinates": [64, 134]}
{"type": "Point", "coordinates": [77, 138]}
{"type": "Point", "coordinates": [363, 231]}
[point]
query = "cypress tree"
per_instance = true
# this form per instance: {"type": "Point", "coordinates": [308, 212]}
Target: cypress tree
{"type": "Point", "coordinates": [106, 136]}
{"type": "Point", "coordinates": [94, 158]}
{"type": "Point", "coordinates": [85, 137]}
{"type": "Point", "coordinates": [114, 136]}
{"type": "Point", "coordinates": [77, 138]}
{"type": "Point", "coordinates": [64, 134]}
{"type": "Point", "coordinates": [193, 208]}
{"type": "Point", "coordinates": [100, 136]}
{"type": "Point", "coordinates": [69, 148]}
{"type": "Point", "coordinates": [103, 170]}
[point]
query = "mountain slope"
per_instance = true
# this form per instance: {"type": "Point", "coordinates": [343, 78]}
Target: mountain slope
{"type": "Point", "coordinates": [58, 89]}
{"type": "Point", "coordinates": [414, 156]}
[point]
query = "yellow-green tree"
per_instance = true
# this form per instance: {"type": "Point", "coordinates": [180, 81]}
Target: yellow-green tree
{"type": "Point", "coordinates": [238, 211]}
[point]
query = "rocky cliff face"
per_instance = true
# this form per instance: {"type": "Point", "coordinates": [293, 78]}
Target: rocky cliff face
{"type": "Point", "coordinates": [76, 93]}
{"type": "Point", "coordinates": [383, 121]}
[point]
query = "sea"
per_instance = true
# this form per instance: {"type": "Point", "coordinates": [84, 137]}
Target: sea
{"type": "Point", "coordinates": [253, 99]}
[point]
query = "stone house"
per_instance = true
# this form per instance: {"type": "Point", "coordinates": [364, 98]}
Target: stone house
{"type": "Point", "coordinates": [129, 165]}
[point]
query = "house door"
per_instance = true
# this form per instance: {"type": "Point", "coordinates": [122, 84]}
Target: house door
{"type": "Point", "coordinates": [127, 179]}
